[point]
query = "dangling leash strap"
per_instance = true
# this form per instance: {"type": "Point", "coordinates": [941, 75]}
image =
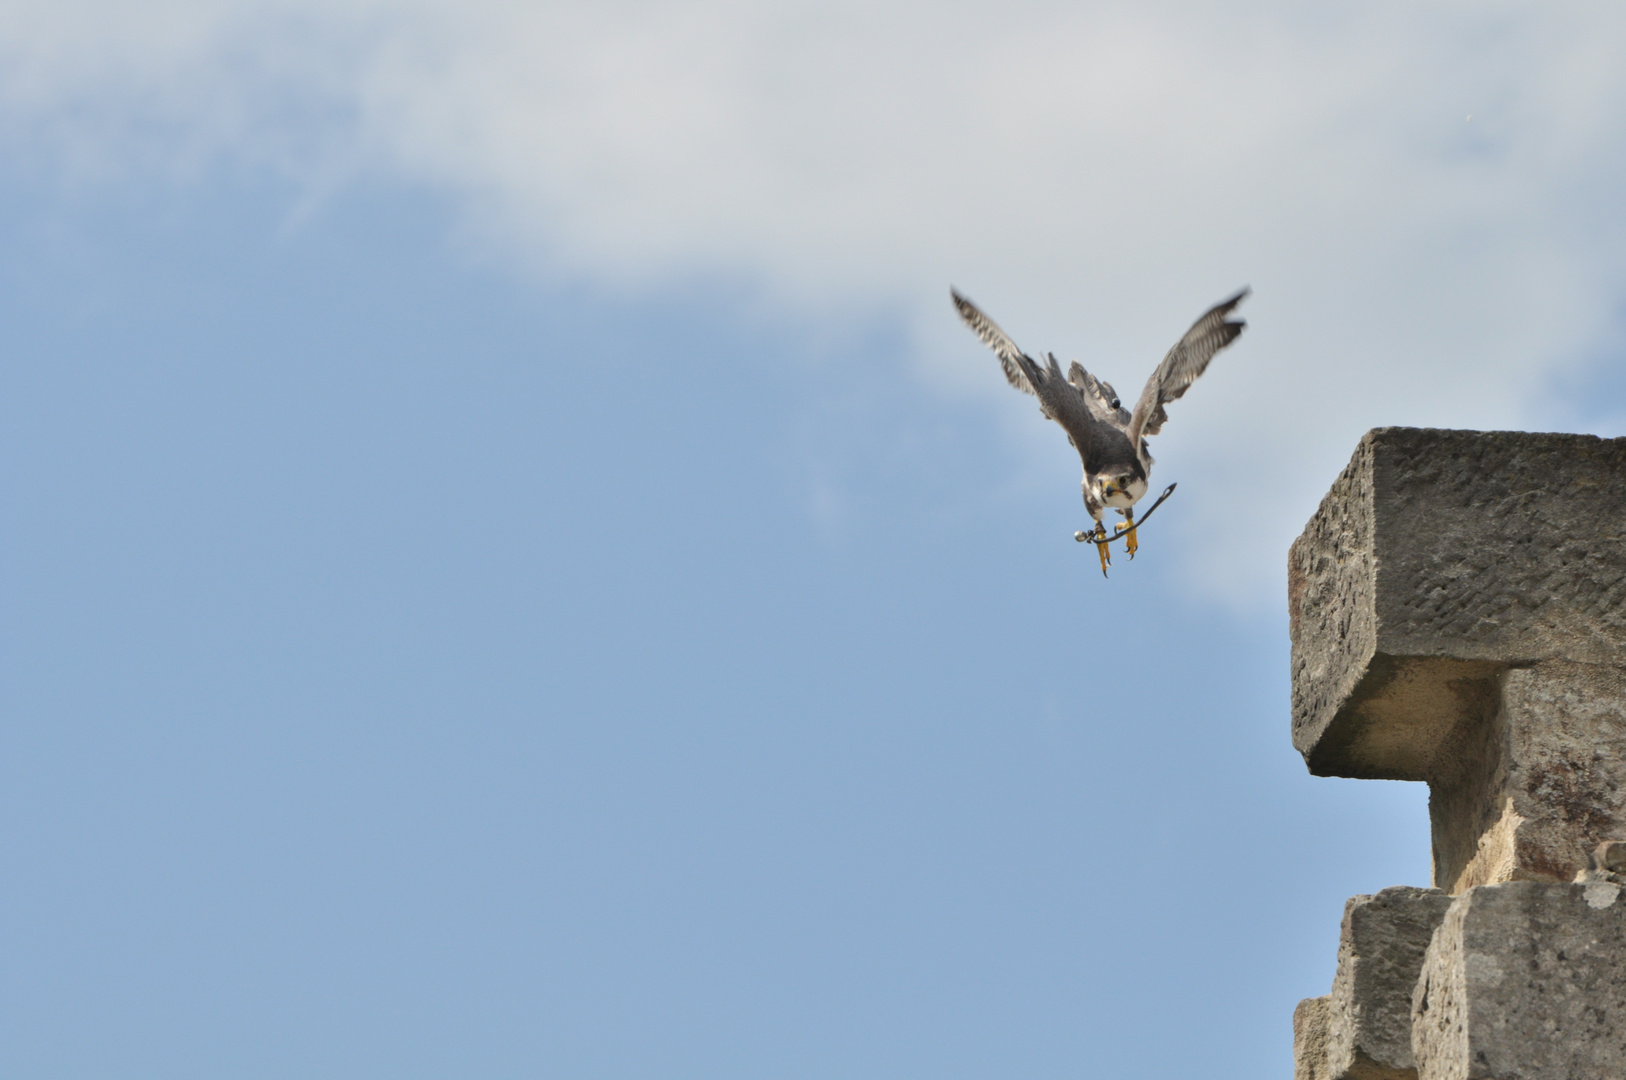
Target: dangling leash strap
{"type": "Point", "coordinates": [1124, 530]}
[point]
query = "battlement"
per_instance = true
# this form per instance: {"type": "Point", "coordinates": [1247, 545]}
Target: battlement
{"type": "Point", "coordinates": [1458, 616]}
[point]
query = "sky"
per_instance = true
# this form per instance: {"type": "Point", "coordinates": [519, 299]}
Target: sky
{"type": "Point", "coordinates": [510, 566]}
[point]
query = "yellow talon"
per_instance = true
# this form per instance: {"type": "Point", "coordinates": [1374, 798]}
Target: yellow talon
{"type": "Point", "coordinates": [1102, 547]}
{"type": "Point", "coordinates": [1131, 545]}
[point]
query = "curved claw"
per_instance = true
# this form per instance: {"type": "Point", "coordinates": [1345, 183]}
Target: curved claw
{"type": "Point", "coordinates": [1103, 540]}
{"type": "Point", "coordinates": [1103, 547]}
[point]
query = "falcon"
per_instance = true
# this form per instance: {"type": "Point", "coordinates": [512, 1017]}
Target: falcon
{"type": "Point", "coordinates": [1110, 440]}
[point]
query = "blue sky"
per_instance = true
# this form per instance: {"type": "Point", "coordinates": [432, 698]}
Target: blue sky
{"type": "Point", "coordinates": [515, 570]}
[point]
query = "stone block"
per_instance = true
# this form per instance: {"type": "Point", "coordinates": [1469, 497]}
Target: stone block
{"type": "Point", "coordinates": [1529, 792]}
{"type": "Point", "coordinates": [1380, 955]}
{"type": "Point", "coordinates": [1525, 981]}
{"type": "Point", "coordinates": [1458, 616]}
{"type": "Point", "coordinates": [1437, 559]}
{"type": "Point", "coordinates": [1310, 1040]}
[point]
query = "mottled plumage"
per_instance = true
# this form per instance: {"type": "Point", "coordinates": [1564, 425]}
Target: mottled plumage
{"type": "Point", "coordinates": [1111, 441]}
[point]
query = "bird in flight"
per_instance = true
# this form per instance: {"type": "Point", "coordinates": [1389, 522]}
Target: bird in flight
{"type": "Point", "coordinates": [1109, 439]}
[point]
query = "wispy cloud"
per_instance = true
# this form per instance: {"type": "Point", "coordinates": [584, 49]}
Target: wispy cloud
{"type": "Point", "coordinates": [1424, 196]}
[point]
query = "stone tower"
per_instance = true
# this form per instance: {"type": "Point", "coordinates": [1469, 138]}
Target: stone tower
{"type": "Point", "coordinates": [1458, 608]}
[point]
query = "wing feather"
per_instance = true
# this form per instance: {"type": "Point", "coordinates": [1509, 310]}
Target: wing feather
{"type": "Point", "coordinates": [1010, 357]}
{"type": "Point", "coordinates": [1099, 397]}
{"type": "Point", "coordinates": [1185, 362]}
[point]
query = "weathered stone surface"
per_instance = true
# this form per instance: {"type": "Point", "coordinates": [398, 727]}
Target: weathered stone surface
{"type": "Point", "coordinates": [1438, 559]}
{"type": "Point", "coordinates": [1380, 955]}
{"type": "Point", "coordinates": [1310, 1040]}
{"type": "Point", "coordinates": [1458, 610]}
{"type": "Point", "coordinates": [1525, 981]}
{"type": "Point", "coordinates": [1610, 856]}
{"type": "Point", "coordinates": [1529, 792]}
{"type": "Point", "coordinates": [1565, 733]}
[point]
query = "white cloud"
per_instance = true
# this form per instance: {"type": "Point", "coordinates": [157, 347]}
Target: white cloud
{"type": "Point", "coordinates": [1092, 174]}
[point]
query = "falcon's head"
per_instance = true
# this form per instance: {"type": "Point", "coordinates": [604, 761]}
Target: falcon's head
{"type": "Point", "coordinates": [1122, 489]}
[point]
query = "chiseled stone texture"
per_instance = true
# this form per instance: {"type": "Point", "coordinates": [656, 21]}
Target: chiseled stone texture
{"type": "Point", "coordinates": [1438, 559]}
{"type": "Point", "coordinates": [1380, 955]}
{"type": "Point", "coordinates": [1525, 981]}
{"type": "Point", "coordinates": [1458, 609]}
{"type": "Point", "coordinates": [1310, 1040]}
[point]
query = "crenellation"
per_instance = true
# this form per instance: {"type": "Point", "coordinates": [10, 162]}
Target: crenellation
{"type": "Point", "coordinates": [1458, 616]}
{"type": "Point", "coordinates": [1437, 586]}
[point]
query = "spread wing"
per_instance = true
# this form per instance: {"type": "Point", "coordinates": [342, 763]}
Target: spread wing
{"type": "Point", "coordinates": [1188, 359]}
{"type": "Point", "coordinates": [1010, 357]}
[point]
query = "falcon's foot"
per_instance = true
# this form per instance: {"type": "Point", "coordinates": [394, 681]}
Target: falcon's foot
{"type": "Point", "coordinates": [1103, 548]}
{"type": "Point", "coordinates": [1131, 545]}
